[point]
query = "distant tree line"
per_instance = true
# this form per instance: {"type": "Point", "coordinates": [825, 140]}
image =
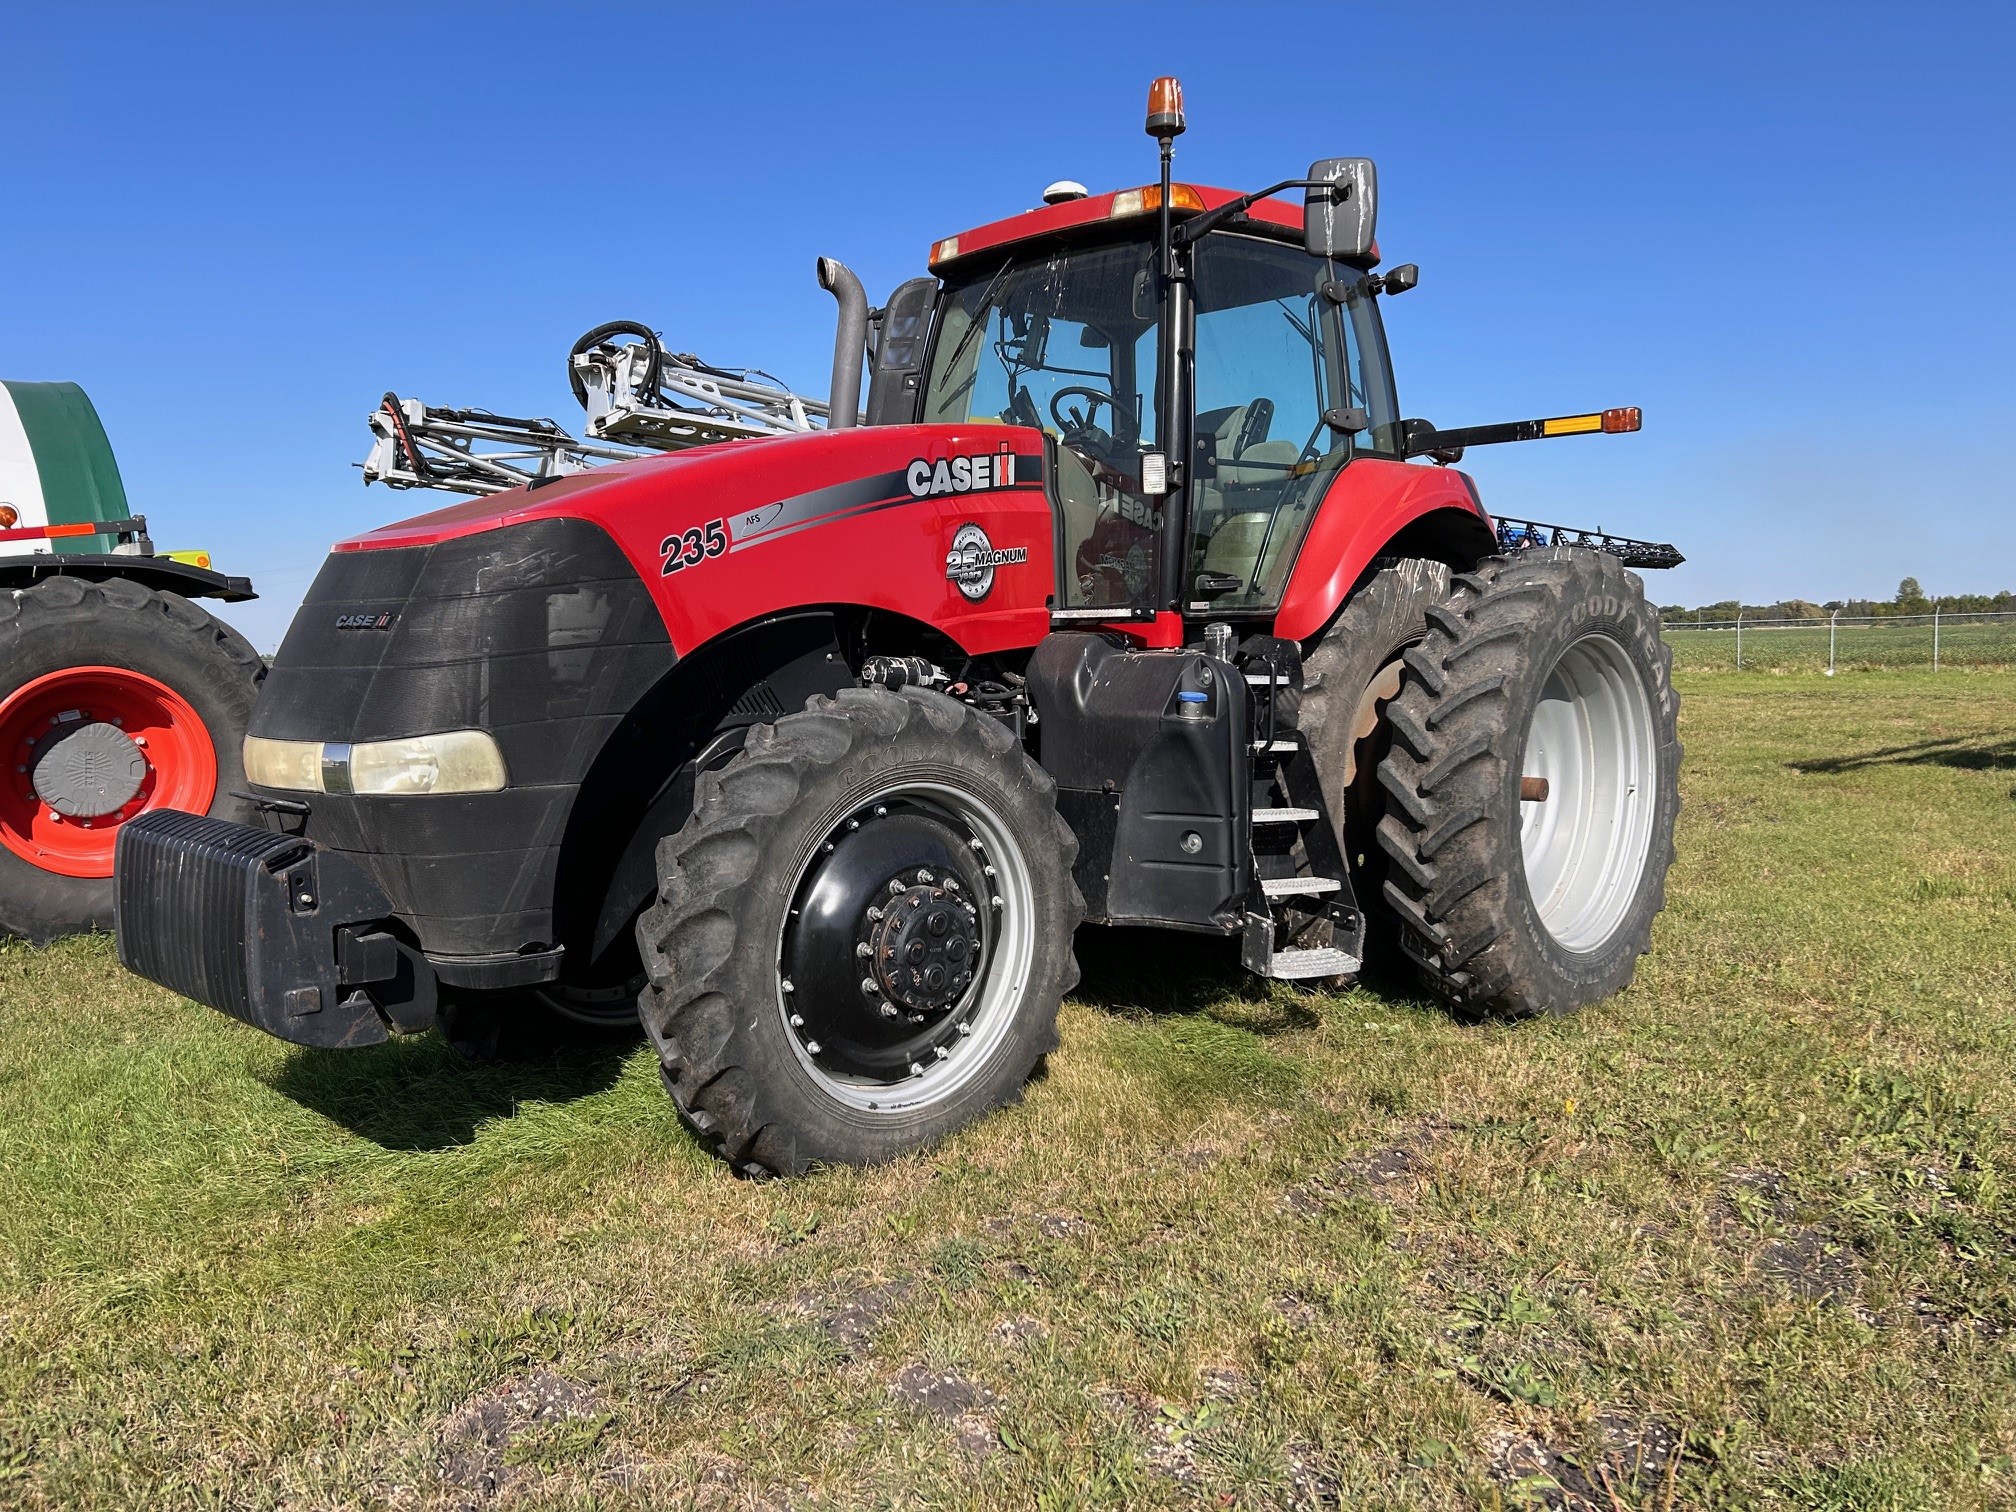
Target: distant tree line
{"type": "Point", "coordinates": [1910, 599]}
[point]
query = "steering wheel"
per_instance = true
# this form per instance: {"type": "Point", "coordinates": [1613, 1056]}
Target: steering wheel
{"type": "Point", "coordinates": [1079, 422]}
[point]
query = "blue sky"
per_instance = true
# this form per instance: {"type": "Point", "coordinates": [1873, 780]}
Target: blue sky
{"type": "Point", "coordinates": [1784, 230]}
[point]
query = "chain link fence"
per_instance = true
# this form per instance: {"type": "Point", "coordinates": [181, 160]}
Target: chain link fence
{"type": "Point", "coordinates": [1843, 643]}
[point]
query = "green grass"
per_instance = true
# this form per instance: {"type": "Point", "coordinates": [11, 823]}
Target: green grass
{"type": "Point", "coordinates": [1802, 647]}
{"type": "Point", "coordinates": [1743, 1236]}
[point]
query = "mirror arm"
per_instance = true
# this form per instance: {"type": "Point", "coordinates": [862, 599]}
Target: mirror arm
{"type": "Point", "coordinates": [1200, 226]}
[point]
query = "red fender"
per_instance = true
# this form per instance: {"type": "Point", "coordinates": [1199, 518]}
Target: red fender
{"type": "Point", "coordinates": [1371, 502]}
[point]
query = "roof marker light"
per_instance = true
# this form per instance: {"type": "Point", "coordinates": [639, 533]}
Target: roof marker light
{"type": "Point", "coordinates": [1148, 199]}
{"type": "Point", "coordinates": [944, 251]}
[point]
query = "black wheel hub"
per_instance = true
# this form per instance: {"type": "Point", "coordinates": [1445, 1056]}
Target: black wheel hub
{"type": "Point", "coordinates": [887, 942]}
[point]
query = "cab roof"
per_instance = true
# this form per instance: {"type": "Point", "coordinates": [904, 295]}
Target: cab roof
{"type": "Point", "coordinates": [1136, 205]}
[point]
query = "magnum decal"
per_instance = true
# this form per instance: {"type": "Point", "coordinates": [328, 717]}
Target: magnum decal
{"type": "Point", "coordinates": [971, 562]}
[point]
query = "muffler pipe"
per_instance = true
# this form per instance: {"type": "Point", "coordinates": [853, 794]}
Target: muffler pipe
{"type": "Point", "coordinates": [849, 341]}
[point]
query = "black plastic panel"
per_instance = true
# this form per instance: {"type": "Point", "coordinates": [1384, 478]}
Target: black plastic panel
{"type": "Point", "coordinates": [539, 633]}
{"type": "Point", "coordinates": [1158, 797]}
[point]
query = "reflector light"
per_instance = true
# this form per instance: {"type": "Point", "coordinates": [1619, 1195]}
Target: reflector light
{"type": "Point", "coordinates": [1165, 107]}
{"type": "Point", "coordinates": [1616, 421]}
{"type": "Point", "coordinates": [1148, 199]}
{"type": "Point", "coordinates": [1571, 425]}
{"type": "Point", "coordinates": [9, 516]}
{"type": "Point", "coordinates": [944, 251]}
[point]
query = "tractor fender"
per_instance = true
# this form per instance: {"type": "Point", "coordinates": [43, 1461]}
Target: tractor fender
{"type": "Point", "coordinates": [1373, 506]}
{"type": "Point", "coordinates": [639, 788]}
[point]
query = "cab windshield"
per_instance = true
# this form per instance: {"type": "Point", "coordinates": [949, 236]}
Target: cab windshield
{"type": "Point", "coordinates": [1069, 343]}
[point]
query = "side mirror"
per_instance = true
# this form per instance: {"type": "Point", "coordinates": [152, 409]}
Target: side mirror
{"type": "Point", "coordinates": [1340, 208]}
{"type": "Point", "coordinates": [1399, 280]}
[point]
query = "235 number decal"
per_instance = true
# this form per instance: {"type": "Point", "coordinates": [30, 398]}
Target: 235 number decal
{"type": "Point", "coordinates": [689, 548]}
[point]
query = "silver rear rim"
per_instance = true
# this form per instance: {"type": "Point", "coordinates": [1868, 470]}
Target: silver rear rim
{"type": "Point", "coordinates": [1594, 739]}
{"type": "Point", "coordinates": [983, 1018]}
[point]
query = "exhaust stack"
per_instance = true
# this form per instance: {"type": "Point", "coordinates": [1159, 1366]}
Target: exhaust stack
{"type": "Point", "coordinates": [849, 341]}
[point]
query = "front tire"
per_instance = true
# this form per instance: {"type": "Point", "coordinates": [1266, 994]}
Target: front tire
{"type": "Point", "coordinates": [862, 934]}
{"type": "Point", "coordinates": [1534, 783]}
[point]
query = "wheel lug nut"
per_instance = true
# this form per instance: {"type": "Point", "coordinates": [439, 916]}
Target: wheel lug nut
{"type": "Point", "coordinates": [881, 811]}
{"type": "Point", "coordinates": [951, 884]}
{"type": "Point", "coordinates": [916, 1069]}
{"type": "Point", "coordinates": [874, 915]}
{"type": "Point", "coordinates": [967, 1027]}
{"type": "Point", "coordinates": [888, 1010]}
{"type": "Point", "coordinates": [797, 1021]}
{"type": "Point", "coordinates": [996, 900]}
{"type": "Point", "coordinates": [811, 1047]}
{"type": "Point", "coordinates": [895, 886]}
{"type": "Point", "coordinates": [864, 949]}
{"type": "Point", "coordinates": [923, 875]}
{"type": "Point", "coordinates": [987, 871]}
{"type": "Point", "coordinates": [868, 986]}
{"type": "Point", "coordinates": [973, 844]}
{"type": "Point", "coordinates": [786, 985]}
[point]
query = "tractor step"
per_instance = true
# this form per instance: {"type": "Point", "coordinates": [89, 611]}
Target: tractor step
{"type": "Point", "coordinates": [1290, 887]}
{"type": "Point", "coordinates": [1269, 679]}
{"type": "Point", "coordinates": [1284, 815]}
{"type": "Point", "coordinates": [1300, 965]}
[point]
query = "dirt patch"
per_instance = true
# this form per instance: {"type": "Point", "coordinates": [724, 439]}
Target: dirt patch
{"type": "Point", "coordinates": [1619, 1456]}
{"type": "Point", "coordinates": [1171, 1450]}
{"type": "Point", "coordinates": [940, 1393]}
{"type": "Point", "coordinates": [851, 1318]}
{"type": "Point", "coordinates": [1389, 1173]}
{"type": "Point", "coordinates": [1810, 1263]}
{"type": "Point", "coordinates": [1062, 1226]}
{"type": "Point", "coordinates": [1021, 1331]}
{"type": "Point", "coordinates": [951, 1398]}
{"type": "Point", "coordinates": [478, 1439]}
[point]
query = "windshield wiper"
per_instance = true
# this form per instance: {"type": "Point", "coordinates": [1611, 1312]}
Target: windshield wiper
{"type": "Point", "coordinates": [979, 317]}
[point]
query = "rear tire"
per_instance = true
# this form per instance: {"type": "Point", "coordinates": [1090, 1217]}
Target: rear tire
{"type": "Point", "coordinates": [1350, 678]}
{"type": "Point", "coordinates": [162, 693]}
{"type": "Point", "coordinates": [1547, 665]}
{"type": "Point", "coordinates": [787, 1030]}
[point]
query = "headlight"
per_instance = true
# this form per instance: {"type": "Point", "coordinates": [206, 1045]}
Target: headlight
{"type": "Point", "coordinates": [456, 761]}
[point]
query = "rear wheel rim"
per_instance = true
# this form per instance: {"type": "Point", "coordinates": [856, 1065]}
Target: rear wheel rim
{"type": "Point", "coordinates": [1593, 738]}
{"type": "Point", "coordinates": [61, 805]}
{"type": "Point", "coordinates": [953, 1045]}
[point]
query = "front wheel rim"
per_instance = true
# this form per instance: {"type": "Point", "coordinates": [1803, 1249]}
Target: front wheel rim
{"type": "Point", "coordinates": [88, 748]}
{"type": "Point", "coordinates": [1592, 737]}
{"type": "Point", "coordinates": [955, 1044]}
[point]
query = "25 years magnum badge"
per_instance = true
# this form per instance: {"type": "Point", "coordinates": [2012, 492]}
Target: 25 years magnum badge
{"type": "Point", "coordinates": [971, 562]}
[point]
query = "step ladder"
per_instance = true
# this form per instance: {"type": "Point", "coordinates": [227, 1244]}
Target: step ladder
{"type": "Point", "coordinates": [1300, 915]}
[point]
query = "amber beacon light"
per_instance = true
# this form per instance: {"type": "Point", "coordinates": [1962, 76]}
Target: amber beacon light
{"type": "Point", "coordinates": [1165, 108]}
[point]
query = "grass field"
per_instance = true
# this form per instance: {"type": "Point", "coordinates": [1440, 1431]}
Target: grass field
{"type": "Point", "coordinates": [1745, 1236]}
{"type": "Point", "coordinates": [1803, 646]}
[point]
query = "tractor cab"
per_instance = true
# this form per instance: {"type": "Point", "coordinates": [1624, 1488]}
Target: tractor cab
{"type": "Point", "coordinates": [1223, 463]}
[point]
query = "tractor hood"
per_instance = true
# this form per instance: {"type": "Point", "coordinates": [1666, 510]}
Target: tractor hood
{"type": "Point", "coordinates": [872, 516]}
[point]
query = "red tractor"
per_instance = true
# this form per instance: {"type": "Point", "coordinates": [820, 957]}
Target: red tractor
{"type": "Point", "coordinates": [1126, 605]}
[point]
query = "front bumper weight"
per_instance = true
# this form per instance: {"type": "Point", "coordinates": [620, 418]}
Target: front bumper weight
{"type": "Point", "coordinates": [271, 929]}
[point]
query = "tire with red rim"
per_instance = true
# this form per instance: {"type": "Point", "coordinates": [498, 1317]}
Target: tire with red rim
{"type": "Point", "coordinates": [114, 700]}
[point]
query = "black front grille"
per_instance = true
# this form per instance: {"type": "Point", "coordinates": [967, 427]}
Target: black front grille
{"type": "Point", "coordinates": [184, 902]}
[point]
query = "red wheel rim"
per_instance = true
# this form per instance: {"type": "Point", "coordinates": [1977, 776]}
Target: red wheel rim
{"type": "Point", "coordinates": [181, 762]}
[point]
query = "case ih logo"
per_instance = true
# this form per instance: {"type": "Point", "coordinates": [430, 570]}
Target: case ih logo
{"type": "Point", "coordinates": [957, 475]}
{"type": "Point", "coordinates": [972, 560]}
{"type": "Point", "coordinates": [366, 621]}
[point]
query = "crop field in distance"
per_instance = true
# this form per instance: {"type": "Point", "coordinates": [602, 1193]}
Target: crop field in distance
{"type": "Point", "coordinates": [1743, 1237]}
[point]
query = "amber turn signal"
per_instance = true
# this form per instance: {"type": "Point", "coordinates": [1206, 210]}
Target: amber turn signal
{"type": "Point", "coordinates": [1617, 421]}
